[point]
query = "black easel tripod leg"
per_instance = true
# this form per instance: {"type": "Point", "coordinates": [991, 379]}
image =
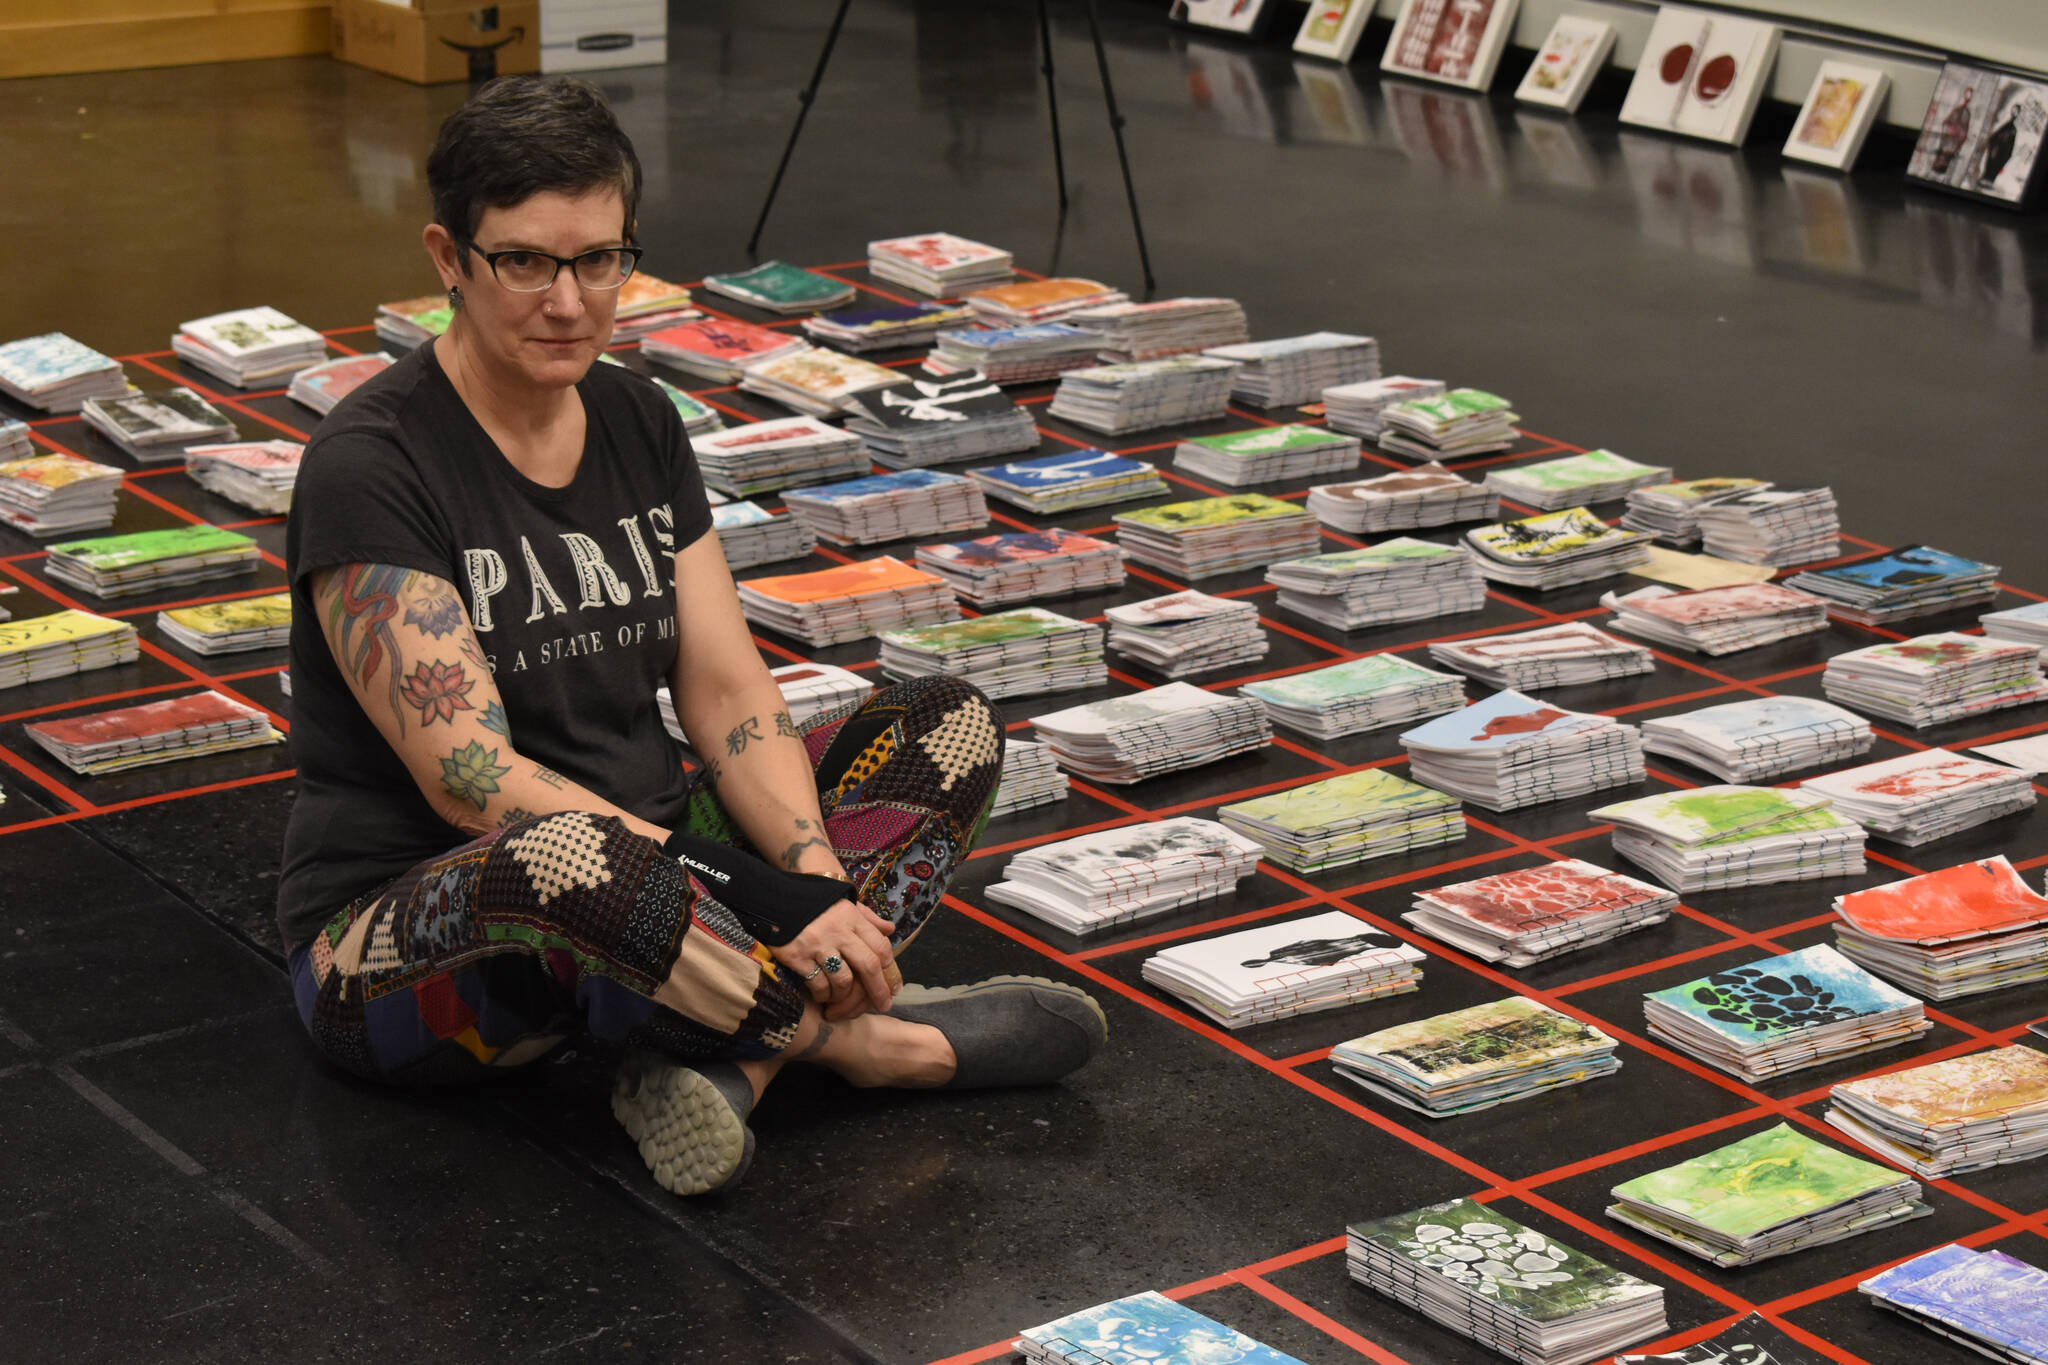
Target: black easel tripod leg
{"type": "Point", "coordinates": [804, 98]}
{"type": "Point", "coordinates": [1052, 98]}
{"type": "Point", "coordinates": [1116, 126]}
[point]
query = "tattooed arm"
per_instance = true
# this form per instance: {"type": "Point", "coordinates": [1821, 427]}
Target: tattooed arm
{"type": "Point", "coordinates": [407, 649]}
{"type": "Point", "coordinates": [734, 715]}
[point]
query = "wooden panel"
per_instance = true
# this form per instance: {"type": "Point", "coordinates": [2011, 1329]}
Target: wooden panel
{"type": "Point", "coordinates": [280, 28]}
{"type": "Point", "coordinates": [31, 13]}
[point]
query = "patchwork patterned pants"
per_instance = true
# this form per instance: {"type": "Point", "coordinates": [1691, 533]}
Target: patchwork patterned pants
{"type": "Point", "coordinates": [490, 955]}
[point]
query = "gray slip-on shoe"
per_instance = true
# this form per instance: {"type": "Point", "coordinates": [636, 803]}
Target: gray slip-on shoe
{"type": "Point", "coordinates": [1009, 1030]}
{"type": "Point", "coordinates": [690, 1122]}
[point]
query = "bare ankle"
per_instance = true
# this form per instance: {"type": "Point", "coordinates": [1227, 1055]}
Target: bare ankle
{"type": "Point", "coordinates": [875, 1050]}
{"type": "Point", "coordinates": [923, 1056]}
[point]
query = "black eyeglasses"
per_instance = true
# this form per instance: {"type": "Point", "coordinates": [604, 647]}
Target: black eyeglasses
{"type": "Point", "coordinates": [529, 272]}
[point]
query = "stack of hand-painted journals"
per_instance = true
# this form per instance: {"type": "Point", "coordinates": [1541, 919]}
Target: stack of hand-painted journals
{"type": "Point", "coordinates": [1093, 882]}
{"type": "Point", "coordinates": [1278, 971]}
{"type": "Point", "coordinates": [1959, 931]}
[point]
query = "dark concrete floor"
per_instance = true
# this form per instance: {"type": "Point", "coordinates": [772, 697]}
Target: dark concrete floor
{"type": "Point", "coordinates": [185, 1181]}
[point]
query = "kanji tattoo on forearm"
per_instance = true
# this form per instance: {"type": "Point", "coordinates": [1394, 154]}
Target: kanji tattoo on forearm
{"type": "Point", "coordinates": [543, 773]}
{"type": "Point", "coordinates": [471, 773]}
{"type": "Point", "coordinates": [514, 815]}
{"type": "Point", "coordinates": [785, 726]}
{"type": "Point", "coordinates": [736, 739]}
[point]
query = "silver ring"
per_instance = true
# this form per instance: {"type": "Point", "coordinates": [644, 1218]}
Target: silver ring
{"type": "Point", "coordinates": [813, 972]}
{"type": "Point", "coordinates": [831, 965]}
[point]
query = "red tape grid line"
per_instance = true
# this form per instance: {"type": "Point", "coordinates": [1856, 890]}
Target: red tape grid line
{"type": "Point", "coordinates": [233, 402]}
{"type": "Point", "coordinates": [190, 518]}
{"type": "Point", "coordinates": [152, 690]}
{"type": "Point", "coordinates": [1762, 1106]}
{"type": "Point", "coordinates": [1722, 683]}
{"type": "Point", "coordinates": [1731, 938]}
{"type": "Point", "coordinates": [113, 807]}
{"type": "Point", "coordinates": [156, 652]}
{"type": "Point", "coordinates": [1138, 812]}
{"type": "Point", "coordinates": [161, 655]}
{"type": "Point", "coordinates": [1736, 937]}
{"type": "Point", "coordinates": [208, 600]}
{"type": "Point", "coordinates": [1494, 1186]}
{"type": "Point", "coordinates": [1253, 1277]}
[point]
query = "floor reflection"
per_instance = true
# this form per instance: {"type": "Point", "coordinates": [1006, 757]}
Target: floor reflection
{"type": "Point", "coordinates": [943, 99]}
{"type": "Point", "coordinates": [1554, 150]}
{"type": "Point", "coordinates": [1691, 196]}
{"type": "Point", "coordinates": [1452, 134]}
{"type": "Point", "coordinates": [1746, 209]}
{"type": "Point", "coordinates": [1230, 82]}
{"type": "Point", "coordinates": [1831, 228]}
{"type": "Point", "coordinates": [1334, 103]}
{"type": "Point", "coordinates": [1978, 267]}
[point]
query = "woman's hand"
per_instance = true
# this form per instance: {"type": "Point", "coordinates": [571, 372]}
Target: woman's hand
{"type": "Point", "coordinates": [859, 938]}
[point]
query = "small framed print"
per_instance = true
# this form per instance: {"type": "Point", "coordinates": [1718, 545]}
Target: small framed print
{"type": "Point", "coordinates": [1567, 62]}
{"type": "Point", "coordinates": [1332, 28]}
{"type": "Point", "coordinates": [1837, 115]}
{"type": "Point", "coordinates": [1245, 18]}
{"type": "Point", "coordinates": [1982, 134]}
{"type": "Point", "coordinates": [1457, 42]}
{"type": "Point", "coordinates": [1701, 75]}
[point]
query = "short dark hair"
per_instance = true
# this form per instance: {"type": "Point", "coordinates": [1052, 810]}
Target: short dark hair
{"type": "Point", "coordinates": [519, 136]}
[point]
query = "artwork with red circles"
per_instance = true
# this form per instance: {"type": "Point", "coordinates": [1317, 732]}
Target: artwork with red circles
{"type": "Point", "coordinates": [1701, 75]}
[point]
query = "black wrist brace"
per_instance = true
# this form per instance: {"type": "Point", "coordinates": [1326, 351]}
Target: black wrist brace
{"type": "Point", "coordinates": [772, 905]}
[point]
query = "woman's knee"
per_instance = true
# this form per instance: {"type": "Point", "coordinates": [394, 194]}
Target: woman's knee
{"type": "Point", "coordinates": [587, 883]}
{"type": "Point", "coordinates": [952, 728]}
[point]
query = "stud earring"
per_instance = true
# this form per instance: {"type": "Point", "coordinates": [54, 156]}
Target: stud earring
{"type": "Point", "coordinates": [455, 296]}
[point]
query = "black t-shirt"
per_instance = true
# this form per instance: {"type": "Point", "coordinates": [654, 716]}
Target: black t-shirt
{"type": "Point", "coordinates": [571, 591]}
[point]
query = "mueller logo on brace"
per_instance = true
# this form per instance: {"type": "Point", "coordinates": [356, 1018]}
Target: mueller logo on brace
{"type": "Point", "coordinates": [687, 861]}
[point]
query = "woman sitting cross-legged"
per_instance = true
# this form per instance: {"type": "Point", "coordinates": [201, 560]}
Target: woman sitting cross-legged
{"type": "Point", "coordinates": [498, 550]}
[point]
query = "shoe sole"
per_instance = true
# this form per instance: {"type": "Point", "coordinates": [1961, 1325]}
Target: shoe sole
{"type": "Point", "coordinates": [687, 1133]}
{"type": "Point", "coordinates": [928, 995]}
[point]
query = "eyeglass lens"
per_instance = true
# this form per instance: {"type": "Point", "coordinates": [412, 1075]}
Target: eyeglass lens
{"type": "Point", "coordinates": [530, 271]}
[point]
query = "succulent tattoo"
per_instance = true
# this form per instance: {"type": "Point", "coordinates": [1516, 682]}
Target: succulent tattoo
{"type": "Point", "coordinates": [471, 773]}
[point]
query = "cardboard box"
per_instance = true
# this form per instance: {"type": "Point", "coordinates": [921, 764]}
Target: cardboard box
{"type": "Point", "coordinates": [588, 35]}
{"type": "Point", "coordinates": [432, 41]}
